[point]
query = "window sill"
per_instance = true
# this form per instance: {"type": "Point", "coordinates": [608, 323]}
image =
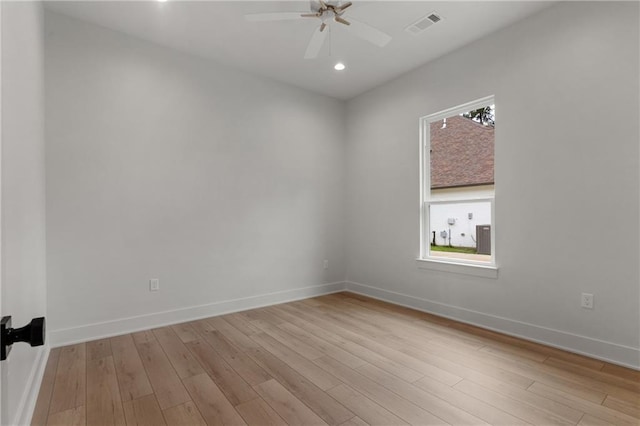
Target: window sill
{"type": "Point", "coordinates": [484, 271]}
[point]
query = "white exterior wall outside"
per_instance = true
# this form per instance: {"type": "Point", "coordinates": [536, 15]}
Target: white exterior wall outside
{"type": "Point", "coordinates": [440, 214]}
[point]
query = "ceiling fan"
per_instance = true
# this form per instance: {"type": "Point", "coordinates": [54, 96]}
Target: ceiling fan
{"type": "Point", "coordinates": [326, 11]}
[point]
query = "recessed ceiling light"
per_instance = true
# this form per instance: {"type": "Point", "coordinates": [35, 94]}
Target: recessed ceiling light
{"type": "Point", "coordinates": [339, 66]}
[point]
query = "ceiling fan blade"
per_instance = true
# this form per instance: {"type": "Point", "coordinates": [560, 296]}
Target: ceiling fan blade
{"type": "Point", "coordinates": [276, 16]}
{"type": "Point", "coordinates": [315, 44]}
{"type": "Point", "coordinates": [311, 15]}
{"type": "Point", "coordinates": [368, 33]}
{"type": "Point", "coordinates": [341, 20]}
{"type": "Point", "coordinates": [342, 7]}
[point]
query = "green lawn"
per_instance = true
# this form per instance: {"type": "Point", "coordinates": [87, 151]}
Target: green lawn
{"type": "Point", "coordinates": [454, 249]}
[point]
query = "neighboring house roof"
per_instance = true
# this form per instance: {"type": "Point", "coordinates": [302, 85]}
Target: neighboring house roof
{"type": "Point", "coordinates": [461, 153]}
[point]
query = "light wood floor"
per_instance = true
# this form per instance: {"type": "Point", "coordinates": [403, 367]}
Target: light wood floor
{"type": "Point", "coordinates": [340, 359]}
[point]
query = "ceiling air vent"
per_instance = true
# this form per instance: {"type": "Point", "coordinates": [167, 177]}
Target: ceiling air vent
{"type": "Point", "coordinates": [423, 23]}
{"type": "Point", "coordinates": [433, 18]}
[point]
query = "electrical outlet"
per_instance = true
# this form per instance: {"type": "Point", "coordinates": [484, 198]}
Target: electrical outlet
{"type": "Point", "coordinates": [154, 284]}
{"type": "Point", "coordinates": [326, 264]}
{"type": "Point", "coordinates": [587, 300]}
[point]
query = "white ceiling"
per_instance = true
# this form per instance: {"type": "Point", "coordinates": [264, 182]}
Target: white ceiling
{"type": "Point", "coordinates": [217, 30]}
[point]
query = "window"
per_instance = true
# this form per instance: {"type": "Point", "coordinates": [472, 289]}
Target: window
{"type": "Point", "coordinates": [457, 185]}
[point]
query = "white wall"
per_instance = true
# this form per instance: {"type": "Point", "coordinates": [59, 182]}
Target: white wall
{"type": "Point", "coordinates": [223, 185]}
{"type": "Point", "coordinates": [23, 199]}
{"type": "Point", "coordinates": [463, 230]}
{"type": "Point", "coordinates": [558, 178]}
{"type": "Point", "coordinates": [440, 214]}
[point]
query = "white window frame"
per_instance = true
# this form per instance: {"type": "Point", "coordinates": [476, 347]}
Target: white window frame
{"type": "Point", "coordinates": [472, 267]}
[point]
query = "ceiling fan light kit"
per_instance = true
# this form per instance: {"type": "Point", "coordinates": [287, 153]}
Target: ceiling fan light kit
{"type": "Point", "coordinates": [326, 12]}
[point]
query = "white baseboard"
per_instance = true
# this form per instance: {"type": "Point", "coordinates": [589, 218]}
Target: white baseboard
{"type": "Point", "coordinates": [607, 351]}
{"type": "Point", "coordinates": [117, 327]}
{"type": "Point", "coordinates": [28, 401]}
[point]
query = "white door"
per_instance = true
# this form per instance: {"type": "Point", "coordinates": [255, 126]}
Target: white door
{"type": "Point", "coordinates": [3, 371]}
{"type": "Point", "coordinates": [22, 199]}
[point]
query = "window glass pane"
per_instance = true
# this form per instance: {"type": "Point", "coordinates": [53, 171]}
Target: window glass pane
{"type": "Point", "coordinates": [458, 184]}
{"type": "Point", "coordinates": [460, 230]}
{"type": "Point", "coordinates": [462, 153]}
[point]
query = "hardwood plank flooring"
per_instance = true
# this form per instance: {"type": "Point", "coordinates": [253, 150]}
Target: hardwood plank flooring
{"type": "Point", "coordinates": [181, 359]}
{"type": "Point", "coordinates": [291, 409]}
{"type": "Point", "coordinates": [306, 368]}
{"type": "Point", "coordinates": [98, 349]}
{"type": "Point", "coordinates": [46, 388]}
{"type": "Point", "coordinates": [214, 407]}
{"type": "Point", "coordinates": [70, 417]}
{"type": "Point", "coordinates": [132, 379]}
{"type": "Point", "coordinates": [143, 411]}
{"type": "Point", "coordinates": [70, 381]}
{"type": "Point", "coordinates": [185, 332]}
{"type": "Point", "coordinates": [258, 412]}
{"type": "Point", "coordinates": [104, 403]}
{"type": "Point", "coordinates": [340, 359]}
{"type": "Point", "coordinates": [166, 384]}
{"type": "Point", "coordinates": [186, 414]}
{"type": "Point", "coordinates": [230, 383]}
{"type": "Point", "coordinates": [323, 404]}
{"type": "Point", "coordinates": [365, 408]}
